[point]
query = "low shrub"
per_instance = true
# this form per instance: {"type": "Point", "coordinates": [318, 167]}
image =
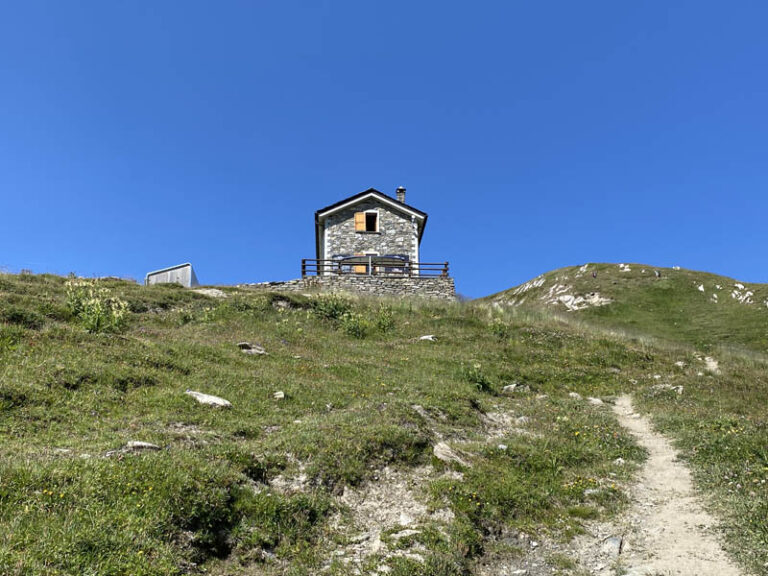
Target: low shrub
{"type": "Point", "coordinates": [95, 307]}
{"type": "Point", "coordinates": [385, 319]}
{"type": "Point", "coordinates": [355, 324]}
{"type": "Point", "coordinates": [473, 373]}
{"type": "Point", "coordinates": [331, 306]}
{"type": "Point", "coordinates": [500, 329]}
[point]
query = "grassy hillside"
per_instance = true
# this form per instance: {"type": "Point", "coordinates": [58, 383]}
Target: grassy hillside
{"type": "Point", "coordinates": [698, 308]}
{"type": "Point", "coordinates": [326, 460]}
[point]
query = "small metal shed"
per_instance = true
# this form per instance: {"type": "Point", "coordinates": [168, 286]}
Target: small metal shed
{"type": "Point", "coordinates": [181, 274]}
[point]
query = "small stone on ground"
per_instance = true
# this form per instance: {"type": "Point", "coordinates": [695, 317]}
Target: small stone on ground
{"type": "Point", "coordinates": [209, 399]}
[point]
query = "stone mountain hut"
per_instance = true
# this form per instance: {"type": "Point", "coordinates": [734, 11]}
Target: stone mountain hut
{"type": "Point", "coordinates": [369, 233]}
{"type": "Point", "coordinates": [370, 243]}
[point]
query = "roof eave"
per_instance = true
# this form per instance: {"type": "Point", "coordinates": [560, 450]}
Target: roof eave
{"type": "Point", "coordinates": [324, 212]}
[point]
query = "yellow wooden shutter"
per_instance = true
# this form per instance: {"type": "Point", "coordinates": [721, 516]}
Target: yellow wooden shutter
{"type": "Point", "coordinates": [359, 221]}
{"type": "Point", "coordinates": [360, 269]}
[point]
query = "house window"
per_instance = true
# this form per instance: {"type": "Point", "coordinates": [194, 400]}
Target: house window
{"type": "Point", "coordinates": [371, 222]}
{"type": "Point", "coordinates": [367, 221]}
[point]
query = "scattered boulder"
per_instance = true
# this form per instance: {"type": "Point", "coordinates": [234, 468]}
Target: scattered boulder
{"type": "Point", "coordinates": [138, 446]}
{"type": "Point", "coordinates": [211, 292]}
{"type": "Point", "coordinates": [404, 533]}
{"type": "Point", "coordinates": [208, 399]}
{"type": "Point", "coordinates": [712, 365]}
{"type": "Point", "coordinates": [279, 395]}
{"type": "Point", "coordinates": [248, 348]}
{"type": "Point", "coordinates": [133, 446]}
{"type": "Point", "coordinates": [574, 395]}
{"type": "Point", "coordinates": [447, 454]}
{"type": "Point", "coordinates": [613, 545]}
{"type": "Point", "coordinates": [516, 387]}
{"type": "Point", "coordinates": [428, 337]}
{"type": "Point", "coordinates": [667, 387]}
{"type": "Point", "coordinates": [594, 401]}
{"type": "Point", "coordinates": [280, 304]}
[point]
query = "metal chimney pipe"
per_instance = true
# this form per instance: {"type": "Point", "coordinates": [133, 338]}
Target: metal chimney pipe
{"type": "Point", "coordinates": [400, 194]}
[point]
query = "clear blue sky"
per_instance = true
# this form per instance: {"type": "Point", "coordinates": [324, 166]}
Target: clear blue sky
{"type": "Point", "coordinates": [136, 135]}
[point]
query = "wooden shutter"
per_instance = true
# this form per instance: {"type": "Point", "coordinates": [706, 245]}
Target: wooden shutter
{"type": "Point", "coordinates": [359, 221]}
{"type": "Point", "coordinates": [361, 269]}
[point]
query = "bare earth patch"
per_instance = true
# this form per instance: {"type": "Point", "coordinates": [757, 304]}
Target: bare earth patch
{"type": "Point", "coordinates": [666, 531]}
{"type": "Point", "coordinates": [392, 503]}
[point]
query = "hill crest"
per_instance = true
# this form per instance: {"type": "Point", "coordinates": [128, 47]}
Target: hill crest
{"type": "Point", "coordinates": [699, 308]}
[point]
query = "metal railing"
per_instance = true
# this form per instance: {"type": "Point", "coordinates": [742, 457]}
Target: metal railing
{"type": "Point", "coordinates": [371, 266]}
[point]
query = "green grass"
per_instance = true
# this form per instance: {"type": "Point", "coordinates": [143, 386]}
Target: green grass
{"type": "Point", "coordinates": [670, 308]}
{"type": "Point", "coordinates": [720, 424]}
{"type": "Point", "coordinates": [352, 372]}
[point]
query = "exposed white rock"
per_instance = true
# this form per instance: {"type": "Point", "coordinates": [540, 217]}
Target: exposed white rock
{"type": "Point", "coordinates": [211, 292]}
{"type": "Point", "coordinates": [700, 288]}
{"type": "Point", "coordinates": [559, 294]}
{"type": "Point", "coordinates": [447, 454]}
{"type": "Point", "coordinates": [612, 546]}
{"type": "Point", "coordinates": [665, 387]}
{"type": "Point", "coordinates": [428, 337]}
{"type": "Point", "coordinates": [712, 365]}
{"type": "Point", "coordinates": [137, 446]}
{"type": "Point", "coordinates": [574, 395]}
{"type": "Point", "coordinates": [741, 295]}
{"type": "Point", "coordinates": [523, 288]}
{"type": "Point", "coordinates": [279, 395]}
{"type": "Point", "coordinates": [248, 348]}
{"type": "Point", "coordinates": [133, 446]}
{"type": "Point", "coordinates": [208, 399]}
{"type": "Point", "coordinates": [594, 401]}
{"type": "Point", "coordinates": [554, 291]}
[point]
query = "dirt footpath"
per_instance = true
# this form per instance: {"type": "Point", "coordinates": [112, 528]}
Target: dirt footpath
{"type": "Point", "coordinates": [666, 531]}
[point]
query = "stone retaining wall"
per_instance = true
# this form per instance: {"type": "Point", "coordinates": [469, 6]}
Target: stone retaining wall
{"type": "Point", "coordinates": [426, 286]}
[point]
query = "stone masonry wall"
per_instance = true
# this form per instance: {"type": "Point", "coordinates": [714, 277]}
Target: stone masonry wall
{"type": "Point", "coordinates": [441, 287]}
{"type": "Point", "coordinates": [397, 234]}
